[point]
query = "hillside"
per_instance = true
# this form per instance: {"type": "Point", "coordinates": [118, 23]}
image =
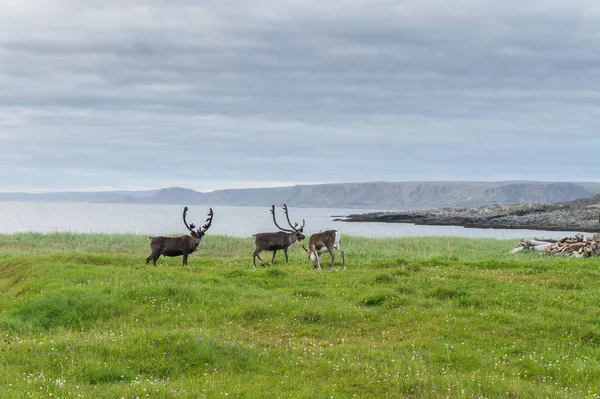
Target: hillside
{"type": "Point", "coordinates": [375, 195]}
{"type": "Point", "coordinates": [379, 195]}
{"type": "Point", "coordinates": [76, 196]}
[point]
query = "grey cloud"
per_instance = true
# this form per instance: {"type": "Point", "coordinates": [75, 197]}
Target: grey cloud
{"type": "Point", "coordinates": [298, 90]}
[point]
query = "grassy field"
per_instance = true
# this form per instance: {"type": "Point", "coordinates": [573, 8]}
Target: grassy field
{"type": "Point", "coordinates": [83, 316]}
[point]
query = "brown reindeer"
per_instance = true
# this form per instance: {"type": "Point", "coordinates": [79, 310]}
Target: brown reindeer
{"type": "Point", "coordinates": [178, 246]}
{"type": "Point", "coordinates": [321, 242]}
{"type": "Point", "coordinates": [276, 241]}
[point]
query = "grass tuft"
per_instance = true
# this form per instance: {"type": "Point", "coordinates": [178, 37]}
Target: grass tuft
{"type": "Point", "coordinates": [443, 293]}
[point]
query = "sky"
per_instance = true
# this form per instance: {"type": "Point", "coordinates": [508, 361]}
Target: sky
{"type": "Point", "coordinates": [134, 94]}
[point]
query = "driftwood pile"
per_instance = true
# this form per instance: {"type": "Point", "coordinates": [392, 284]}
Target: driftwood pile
{"type": "Point", "coordinates": [578, 246]}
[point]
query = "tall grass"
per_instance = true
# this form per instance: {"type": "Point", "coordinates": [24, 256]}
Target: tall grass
{"type": "Point", "coordinates": [83, 316]}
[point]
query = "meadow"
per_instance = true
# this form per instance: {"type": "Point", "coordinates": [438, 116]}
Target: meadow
{"type": "Point", "coordinates": [83, 316]}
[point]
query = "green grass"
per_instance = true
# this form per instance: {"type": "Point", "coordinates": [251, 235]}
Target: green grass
{"type": "Point", "coordinates": [81, 315]}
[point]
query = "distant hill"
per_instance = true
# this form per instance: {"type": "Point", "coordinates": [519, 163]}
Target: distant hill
{"type": "Point", "coordinates": [91, 196]}
{"type": "Point", "coordinates": [593, 187]}
{"type": "Point", "coordinates": [375, 195]}
{"type": "Point", "coordinates": [380, 195]}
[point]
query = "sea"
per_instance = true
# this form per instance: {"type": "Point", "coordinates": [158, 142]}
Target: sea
{"type": "Point", "coordinates": [238, 221]}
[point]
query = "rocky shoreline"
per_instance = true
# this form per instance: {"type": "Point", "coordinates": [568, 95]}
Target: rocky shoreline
{"type": "Point", "coordinates": [579, 215]}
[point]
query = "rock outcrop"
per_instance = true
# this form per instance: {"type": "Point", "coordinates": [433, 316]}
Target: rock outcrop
{"type": "Point", "coordinates": [579, 215]}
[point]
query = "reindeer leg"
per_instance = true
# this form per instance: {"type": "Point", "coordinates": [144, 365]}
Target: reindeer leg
{"type": "Point", "coordinates": [338, 248]}
{"type": "Point", "coordinates": [318, 260]}
{"type": "Point", "coordinates": [285, 252]}
{"type": "Point", "coordinates": [273, 258]}
{"type": "Point", "coordinates": [330, 250]}
{"type": "Point", "coordinates": [254, 256]}
{"type": "Point", "coordinates": [185, 256]}
{"type": "Point", "coordinates": [153, 257]}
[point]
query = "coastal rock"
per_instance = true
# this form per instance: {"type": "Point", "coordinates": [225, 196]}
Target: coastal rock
{"type": "Point", "coordinates": [579, 215]}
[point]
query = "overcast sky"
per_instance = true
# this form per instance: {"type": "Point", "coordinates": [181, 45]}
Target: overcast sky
{"type": "Point", "coordinates": [216, 94]}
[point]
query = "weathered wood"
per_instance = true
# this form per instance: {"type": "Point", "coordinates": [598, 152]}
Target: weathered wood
{"type": "Point", "coordinates": [545, 239]}
{"type": "Point", "coordinates": [535, 242]}
{"type": "Point", "coordinates": [542, 247]}
{"type": "Point", "coordinates": [577, 246]}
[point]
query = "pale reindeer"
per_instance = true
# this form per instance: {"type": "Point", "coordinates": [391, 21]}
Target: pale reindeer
{"type": "Point", "coordinates": [325, 241]}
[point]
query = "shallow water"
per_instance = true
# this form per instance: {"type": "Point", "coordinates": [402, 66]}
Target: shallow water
{"type": "Point", "coordinates": [240, 221]}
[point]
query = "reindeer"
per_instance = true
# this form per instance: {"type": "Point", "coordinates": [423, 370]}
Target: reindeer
{"type": "Point", "coordinates": [177, 246]}
{"type": "Point", "coordinates": [276, 241]}
{"type": "Point", "coordinates": [321, 242]}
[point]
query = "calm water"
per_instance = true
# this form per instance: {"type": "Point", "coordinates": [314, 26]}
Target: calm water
{"type": "Point", "coordinates": [241, 221]}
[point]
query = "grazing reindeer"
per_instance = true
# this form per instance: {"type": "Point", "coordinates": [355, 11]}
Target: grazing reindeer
{"type": "Point", "coordinates": [276, 241]}
{"type": "Point", "coordinates": [321, 242]}
{"type": "Point", "coordinates": [177, 246]}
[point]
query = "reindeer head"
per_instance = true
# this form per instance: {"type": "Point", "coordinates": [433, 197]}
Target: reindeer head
{"type": "Point", "coordinates": [199, 233]}
{"type": "Point", "coordinates": [312, 256]}
{"type": "Point", "coordinates": [295, 228]}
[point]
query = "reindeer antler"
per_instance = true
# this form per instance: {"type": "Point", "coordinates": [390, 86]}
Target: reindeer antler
{"type": "Point", "coordinates": [208, 220]}
{"type": "Point", "coordinates": [275, 221]}
{"type": "Point", "coordinates": [190, 227]}
{"type": "Point", "coordinates": [294, 227]}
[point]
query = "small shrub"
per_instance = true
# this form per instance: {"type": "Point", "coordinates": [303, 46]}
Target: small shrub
{"type": "Point", "coordinates": [303, 293]}
{"type": "Point", "coordinates": [387, 264]}
{"type": "Point", "coordinates": [387, 300]}
{"type": "Point", "coordinates": [403, 289]}
{"type": "Point", "coordinates": [414, 267]}
{"type": "Point", "coordinates": [401, 273]}
{"type": "Point", "coordinates": [384, 279]}
{"type": "Point", "coordinates": [469, 302]}
{"type": "Point", "coordinates": [276, 273]}
{"type": "Point", "coordinates": [159, 293]}
{"type": "Point", "coordinates": [310, 316]}
{"type": "Point", "coordinates": [395, 301]}
{"type": "Point", "coordinates": [446, 293]}
{"type": "Point", "coordinates": [105, 374]}
{"type": "Point", "coordinates": [236, 274]}
{"type": "Point", "coordinates": [381, 264]}
{"type": "Point", "coordinates": [436, 261]}
{"type": "Point", "coordinates": [258, 313]}
{"type": "Point", "coordinates": [566, 285]}
{"type": "Point", "coordinates": [590, 337]}
{"type": "Point", "coordinates": [377, 299]}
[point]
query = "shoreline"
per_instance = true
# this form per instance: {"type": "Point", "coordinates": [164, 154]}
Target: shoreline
{"type": "Point", "coordinates": [577, 216]}
{"type": "Point", "coordinates": [479, 226]}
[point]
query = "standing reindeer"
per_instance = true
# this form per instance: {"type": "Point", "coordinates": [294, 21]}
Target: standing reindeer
{"type": "Point", "coordinates": [279, 240]}
{"type": "Point", "coordinates": [321, 242]}
{"type": "Point", "coordinates": [177, 246]}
